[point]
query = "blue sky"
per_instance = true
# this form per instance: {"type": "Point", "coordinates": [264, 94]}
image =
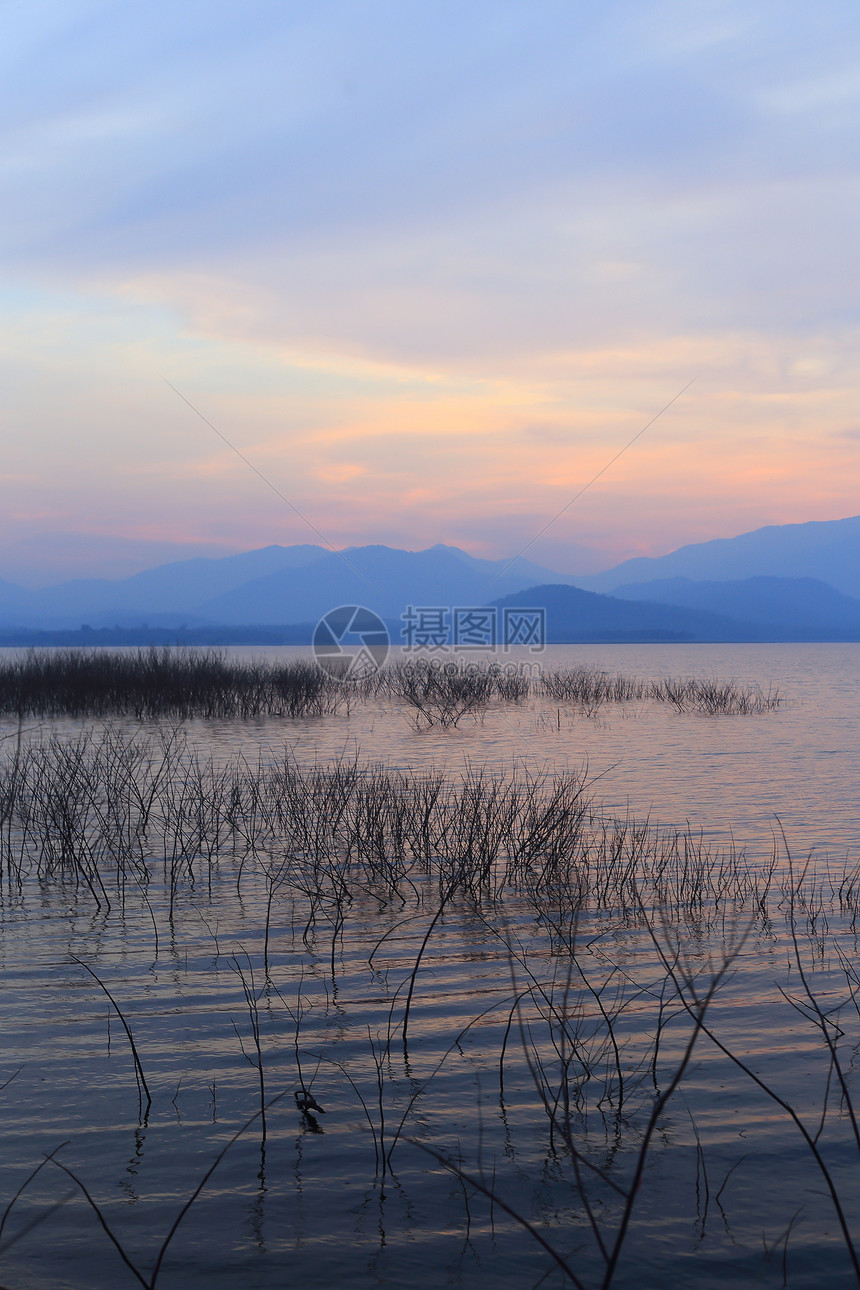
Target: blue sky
{"type": "Point", "coordinates": [428, 267]}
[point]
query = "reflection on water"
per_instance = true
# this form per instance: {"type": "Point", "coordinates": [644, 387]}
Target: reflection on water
{"type": "Point", "coordinates": [729, 776]}
{"type": "Point", "coordinates": [272, 956]}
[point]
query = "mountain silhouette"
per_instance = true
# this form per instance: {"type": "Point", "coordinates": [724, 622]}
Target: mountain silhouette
{"type": "Point", "coordinates": [783, 582]}
{"type": "Point", "coordinates": [574, 615]}
{"type": "Point", "coordinates": [828, 550]}
{"type": "Point", "coordinates": [275, 584]}
{"type": "Point", "coordinates": [785, 608]}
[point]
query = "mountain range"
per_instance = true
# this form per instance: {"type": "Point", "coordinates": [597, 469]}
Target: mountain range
{"type": "Point", "coordinates": [828, 550]}
{"type": "Point", "coordinates": [754, 609]}
{"type": "Point", "coordinates": [782, 582]}
{"type": "Point", "coordinates": [276, 584]}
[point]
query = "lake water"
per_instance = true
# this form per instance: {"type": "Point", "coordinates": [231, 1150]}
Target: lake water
{"type": "Point", "coordinates": [729, 776]}
{"type": "Point", "coordinates": [510, 1070]}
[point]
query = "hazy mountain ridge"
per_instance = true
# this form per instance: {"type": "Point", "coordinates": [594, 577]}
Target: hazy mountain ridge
{"type": "Point", "coordinates": [794, 606]}
{"type": "Point", "coordinates": [271, 585]}
{"type": "Point", "coordinates": [827, 550]}
{"type": "Point", "coordinates": [276, 587]}
{"type": "Point", "coordinates": [573, 614]}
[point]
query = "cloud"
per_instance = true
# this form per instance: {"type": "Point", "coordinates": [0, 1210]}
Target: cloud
{"type": "Point", "coordinates": [429, 265]}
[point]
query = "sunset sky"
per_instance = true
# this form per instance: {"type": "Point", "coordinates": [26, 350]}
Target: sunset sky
{"type": "Point", "coordinates": [428, 267]}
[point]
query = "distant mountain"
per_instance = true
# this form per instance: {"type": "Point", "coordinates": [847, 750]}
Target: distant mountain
{"type": "Point", "coordinates": [828, 550]}
{"type": "Point", "coordinates": [575, 615]}
{"type": "Point", "coordinates": [385, 580]}
{"type": "Point", "coordinates": [17, 604]}
{"type": "Point", "coordinates": [785, 608]}
{"type": "Point", "coordinates": [171, 591]}
{"type": "Point", "coordinates": [572, 615]}
{"type": "Point", "coordinates": [789, 582]}
{"type": "Point", "coordinates": [274, 585]}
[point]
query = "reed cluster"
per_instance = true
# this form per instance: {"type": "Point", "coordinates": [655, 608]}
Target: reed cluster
{"type": "Point", "coordinates": [442, 693]}
{"type": "Point", "coordinates": [101, 809]}
{"type": "Point", "coordinates": [713, 697]}
{"type": "Point", "coordinates": [180, 684]}
{"type": "Point", "coordinates": [591, 689]}
{"type": "Point", "coordinates": [587, 1043]}
{"type": "Point", "coordinates": [162, 683]}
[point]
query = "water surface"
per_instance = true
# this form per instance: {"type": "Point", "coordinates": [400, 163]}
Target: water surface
{"type": "Point", "coordinates": [730, 1192]}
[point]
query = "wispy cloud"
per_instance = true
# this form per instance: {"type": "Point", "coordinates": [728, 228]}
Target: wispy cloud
{"type": "Point", "coordinates": [429, 265]}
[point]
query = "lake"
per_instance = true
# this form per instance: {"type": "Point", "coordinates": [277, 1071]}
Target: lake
{"type": "Point", "coordinates": [484, 950]}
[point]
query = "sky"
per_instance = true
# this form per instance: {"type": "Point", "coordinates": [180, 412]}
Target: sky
{"type": "Point", "coordinates": [428, 268]}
